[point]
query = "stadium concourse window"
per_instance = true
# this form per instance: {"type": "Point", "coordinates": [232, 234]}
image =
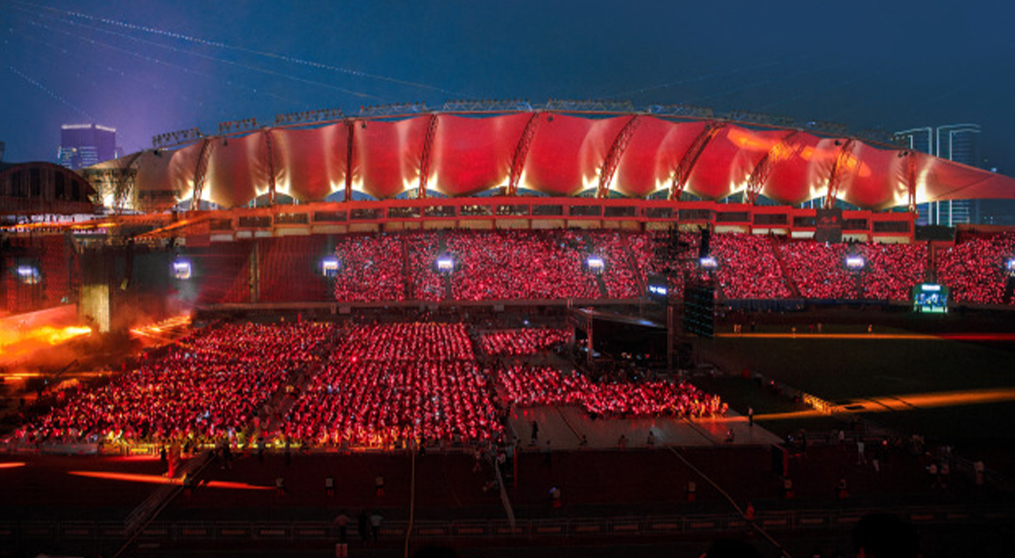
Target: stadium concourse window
{"type": "Point", "coordinates": [620, 211]}
{"type": "Point", "coordinates": [771, 219]}
{"type": "Point", "coordinates": [732, 217]}
{"type": "Point", "coordinates": [440, 211]}
{"type": "Point", "coordinates": [364, 214]}
{"type": "Point", "coordinates": [254, 222]}
{"type": "Point", "coordinates": [476, 210]}
{"type": "Point", "coordinates": [659, 213]}
{"type": "Point", "coordinates": [548, 210]}
{"type": "Point", "coordinates": [513, 210]}
{"type": "Point", "coordinates": [292, 219]}
{"type": "Point", "coordinates": [804, 222]}
{"type": "Point", "coordinates": [329, 217]}
{"type": "Point", "coordinates": [403, 212]}
{"type": "Point", "coordinates": [586, 210]}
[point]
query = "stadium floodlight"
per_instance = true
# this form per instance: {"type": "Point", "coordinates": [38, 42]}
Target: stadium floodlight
{"type": "Point", "coordinates": [330, 266]}
{"type": "Point", "coordinates": [855, 263]}
{"type": "Point", "coordinates": [445, 264]}
{"type": "Point", "coordinates": [708, 263]}
{"type": "Point", "coordinates": [29, 275]}
{"type": "Point", "coordinates": [595, 264]}
{"type": "Point", "coordinates": [182, 270]}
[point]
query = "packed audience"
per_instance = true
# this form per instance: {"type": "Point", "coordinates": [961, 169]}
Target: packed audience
{"type": "Point", "coordinates": [974, 269]}
{"type": "Point", "coordinates": [528, 386]}
{"type": "Point", "coordinates": [518, 342]}
{"type": "Point", "coordinates": [370, 268]}
{"type": "Point", "coordinates": [817, 269]}
{"type": "Point", "coordinates": [892, 270]}
{"type": "Point", "coordinates": [511, 265]}
{"type": "Point", "coordinates": [552, 265]}
{"type": "Point", "coordinates": [390, 383]}
{"type": "Point", "coordinates": [424, 249]}
{"type": "Point", "coordinates": [747, 267]}
{"type": "Point", "coordinates": [201, 390]}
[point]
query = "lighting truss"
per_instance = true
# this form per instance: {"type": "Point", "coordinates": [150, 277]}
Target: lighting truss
{"type": "Point", "coordinates": [309, 116]}
{"type": "Point", "coordinates": [681, 110]}
{"type": "Point", "coordinates": [488, 105]}
{"type": "Point", "coordinates": [830, 128]}
{"type": "Point", "coordinates": [393, 109]}
{"type": "Point", "coordinates": [177, 137]}
{"type": "Point", "coordinates": [237, 125]}
{"type": "Point", "coordinates": [589, 105]}
{"type": "Point", "coordinates": [760, 118]}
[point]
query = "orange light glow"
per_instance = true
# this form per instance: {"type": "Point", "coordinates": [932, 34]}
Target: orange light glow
{"type": "Point", "coordinates": [12, 465]}
{"type": "Point", "coordinates": [159, 479]}
{"type": "Point", "coordinates": [153, 330]}
{"type": "Point", "coordinates": [49, 335]}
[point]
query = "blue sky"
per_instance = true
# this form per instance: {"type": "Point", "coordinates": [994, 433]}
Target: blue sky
{"type": "Point", "coordinates": [151, 67]}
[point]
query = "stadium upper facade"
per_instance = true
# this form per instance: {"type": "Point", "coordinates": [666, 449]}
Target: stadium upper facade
{"type": "Point", "coordinates": [542, 152]}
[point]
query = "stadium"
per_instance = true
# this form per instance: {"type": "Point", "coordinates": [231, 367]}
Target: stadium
{"type": "Point", "coordinates": [500, 327]}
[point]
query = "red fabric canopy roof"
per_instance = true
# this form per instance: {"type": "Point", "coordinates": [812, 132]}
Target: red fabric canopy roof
{"type": "Point", "coordinates": [565, 155]}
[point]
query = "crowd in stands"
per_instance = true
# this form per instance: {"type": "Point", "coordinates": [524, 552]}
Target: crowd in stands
{"type": "Point", "coordinates": [817, 269]}
{"type": "Point", "coordinates": [974, 270]}
{"type": "Point", "coordinates": [424, 249]}
{"type": "Point", "coordinates": [511, 265]}
{"type": "Point", "coordinates": [747, 267]}
{"type": "Point", "coordinates": [207, 388]}
{"type": "Point", "coordinates": [527, 386]}
{"type": "Point", "coordinates": [518, 342]}
{"type": "Point", "coordinates": [552, 265]}
{"type": "Point", "coordinates": [397, 382]}
{"type": "Point", "coordinates": [892, 270]}
{"type": "Point", "coordinates": [370, 268]}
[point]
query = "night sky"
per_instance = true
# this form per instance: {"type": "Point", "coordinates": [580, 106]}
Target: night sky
{"type": "Point", "coordinates": [151, 67]}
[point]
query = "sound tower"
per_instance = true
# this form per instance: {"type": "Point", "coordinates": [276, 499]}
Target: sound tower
{"type": "Point", "coordinates": [699, 309]}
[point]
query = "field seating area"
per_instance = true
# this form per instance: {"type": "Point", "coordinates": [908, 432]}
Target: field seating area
{"type": "Point", "coordinates": [528, 386]}
{"type": "Point", "coordinates": [386, 383]}
{"type": "Point", "coordinates": [207, 388]}
{"type": "Point", "coordinates": [518, 342]}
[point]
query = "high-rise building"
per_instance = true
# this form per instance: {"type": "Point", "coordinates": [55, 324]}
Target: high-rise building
{"type": "Point", "coordinates": [83, 145]}
{"type": "Point", "coordinates": [955, 142]}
